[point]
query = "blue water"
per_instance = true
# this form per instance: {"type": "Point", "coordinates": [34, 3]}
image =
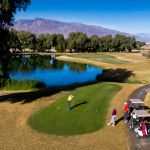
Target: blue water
{"type": "Point", "coordinates": [53, 74]}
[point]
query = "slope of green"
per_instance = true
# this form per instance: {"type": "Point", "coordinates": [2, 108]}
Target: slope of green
{"type": "Point", "coordinates": [88, 113]}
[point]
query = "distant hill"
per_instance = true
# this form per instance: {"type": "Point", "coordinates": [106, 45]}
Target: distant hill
{"type": "Point", "coordinates": [40, 25]}
{"type": "Point", "coordinates": [143, 36]}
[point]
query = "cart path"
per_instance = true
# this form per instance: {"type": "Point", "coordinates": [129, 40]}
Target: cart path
{"type": "Point", "coordinates": [144, 143]}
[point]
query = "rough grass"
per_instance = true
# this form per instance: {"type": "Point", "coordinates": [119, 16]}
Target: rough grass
{"type": "Point", "coordinates": [21, 85]}
{"type": "Point", "coordinates": [88, 113]}
{"type": "Point", "coordinates": [133, 81]}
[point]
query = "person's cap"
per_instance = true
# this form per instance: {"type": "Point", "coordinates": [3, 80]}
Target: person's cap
{"type": "Point", "coordinates": [125, 102]}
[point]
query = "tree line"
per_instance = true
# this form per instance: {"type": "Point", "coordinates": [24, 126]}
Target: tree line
{"type": "Point", "coordinates": [75, 42]}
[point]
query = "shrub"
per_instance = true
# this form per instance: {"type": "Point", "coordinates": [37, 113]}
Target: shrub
{"type": "Point", "coordinates": [10, 84]}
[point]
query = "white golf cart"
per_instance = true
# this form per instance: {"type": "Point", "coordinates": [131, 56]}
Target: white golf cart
{"type": "Point", "coordinates": [140, 123]}
{"type": "Point", "coordinates": [137, 104]}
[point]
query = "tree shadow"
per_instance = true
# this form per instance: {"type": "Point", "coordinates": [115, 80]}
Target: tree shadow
{"type": "Point", "coordinates": [82, 103]}
{"type": "Point", "coordinates": [27, 97]}
{"type": "Point", "coordinates": [115, 75]}
{"type": "Point", "coordinates": [118, 75]}
{"type": "Point", "coordinates": [119, 120]}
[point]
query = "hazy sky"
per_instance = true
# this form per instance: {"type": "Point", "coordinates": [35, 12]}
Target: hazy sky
{"type": "Point", "coordinates": [132, 16]}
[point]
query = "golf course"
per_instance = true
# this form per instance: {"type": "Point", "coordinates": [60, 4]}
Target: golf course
{"type": "Point", "coordinates": [74, 75]}
{"type": "Point", "coordinates": [37, 118]}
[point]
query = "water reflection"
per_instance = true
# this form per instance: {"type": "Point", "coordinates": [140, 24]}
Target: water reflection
{"type": "Point", "coordinates": [50, 71]}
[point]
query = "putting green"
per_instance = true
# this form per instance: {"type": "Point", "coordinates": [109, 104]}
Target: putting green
{"type": "Point", "coordinates": [89, 108]}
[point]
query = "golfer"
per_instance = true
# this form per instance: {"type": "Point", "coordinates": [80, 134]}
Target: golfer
{"type": "Point", "coordinates": [126, 110]}
{"type": "Point", "coordinates": [113, 116]}
{"type": "Point", "coordinates": [70, 97]}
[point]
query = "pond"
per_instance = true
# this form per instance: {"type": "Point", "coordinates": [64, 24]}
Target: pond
{"type": "Point", "coordinates": [50, 71]}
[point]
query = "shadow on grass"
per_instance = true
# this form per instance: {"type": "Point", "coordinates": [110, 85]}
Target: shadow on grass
{"type": "Point", "coordinates": [82, 103]}
{"type": "Point", "coordinates": [27, 97]}
{"type": "Point", "coordinates": [119, 120]}
{"type": "Point", "coordinates": [115, 75]}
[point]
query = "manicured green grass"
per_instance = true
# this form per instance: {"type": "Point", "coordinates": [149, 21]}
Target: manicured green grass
{"type": "Point", "coordinates": [88, 113]}
{"type": "Point", "coordinates": [21, 85]}
{"type": "Point", "coordinates": [102, 58]}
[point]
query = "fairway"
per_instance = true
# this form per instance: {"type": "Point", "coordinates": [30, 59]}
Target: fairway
{"type": "Point", "coordinates": [102, 58]}
{"type": "Point", "coordinates": [88, 114]}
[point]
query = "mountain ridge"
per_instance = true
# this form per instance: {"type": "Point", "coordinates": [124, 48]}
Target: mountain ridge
{"type": "Point", "coordinates": [40, 25]}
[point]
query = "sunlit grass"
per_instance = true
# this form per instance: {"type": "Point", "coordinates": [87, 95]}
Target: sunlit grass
{"type": "Point", "coordinates": [88, 113]}
{"type": "Point", "coordinates": [102, 58]}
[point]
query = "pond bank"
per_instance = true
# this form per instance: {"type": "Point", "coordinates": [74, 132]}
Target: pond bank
{"type": "Point", "coordinates": [86, 61]}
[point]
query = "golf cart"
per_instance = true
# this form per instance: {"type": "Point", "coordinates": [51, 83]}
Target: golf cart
{"type": "Point", "coordinates": [140, 123]}
{"type": "Point", "coordinates": [137, 104]}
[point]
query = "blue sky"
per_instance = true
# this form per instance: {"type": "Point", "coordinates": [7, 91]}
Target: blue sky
{"type": "Point", "coordinates": [132, 16]}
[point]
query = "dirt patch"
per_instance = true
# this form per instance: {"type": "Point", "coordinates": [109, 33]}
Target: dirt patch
{"type": "Point", "coordinates": [16, 134]}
